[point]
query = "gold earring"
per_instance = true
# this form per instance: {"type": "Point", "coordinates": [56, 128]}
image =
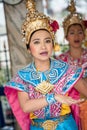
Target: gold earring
{"type": "Point", "coordinates": [85, 43]}
{"type": "Point", "coordinates": [56, 47]}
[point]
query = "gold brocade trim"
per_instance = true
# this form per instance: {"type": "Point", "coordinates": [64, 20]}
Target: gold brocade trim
{"type": "Point", "coordinates": [50, 124]}
{"type": "Point", "coordinates": [44, 87]}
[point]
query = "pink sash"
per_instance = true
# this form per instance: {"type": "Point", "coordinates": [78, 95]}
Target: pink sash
{"type": "Point", "coordinates": [22, 118]}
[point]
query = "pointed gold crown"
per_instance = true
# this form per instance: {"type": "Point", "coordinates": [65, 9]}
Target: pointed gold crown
{"type": "Point", "coordinates": [72, 18]}
{"type": "Point", "coordinates": [35, 20]}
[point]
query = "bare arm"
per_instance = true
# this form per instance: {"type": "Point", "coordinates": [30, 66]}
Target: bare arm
{"type": "Point", "coordinates": [85, 79]}
{"type": "Point", "coordinates": [30, 105]}
{"type": "Point", "coordinates": [81, 86]}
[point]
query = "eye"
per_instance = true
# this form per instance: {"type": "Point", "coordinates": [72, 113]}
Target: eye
{"type": "Point", "coordinates": [48, 41]}
{"type": "Point", "coordinates": [36, 42]}
{"type": "Point", "coordinates": [71, 33]}
{"type": "Point", "coordinates": [80, 32]}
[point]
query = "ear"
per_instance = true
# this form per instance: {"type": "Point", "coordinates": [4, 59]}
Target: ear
{"type": "Point", "coordinates": [66, 38]}
{"type": "Point", "coordinates": [29, 51]}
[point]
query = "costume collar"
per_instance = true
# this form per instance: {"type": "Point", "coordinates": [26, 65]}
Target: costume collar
{"type": "Point", "coordinates": [56, 71]}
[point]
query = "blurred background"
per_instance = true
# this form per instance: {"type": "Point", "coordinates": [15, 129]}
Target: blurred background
{"type": "Point", "coordinates": [13, 53]}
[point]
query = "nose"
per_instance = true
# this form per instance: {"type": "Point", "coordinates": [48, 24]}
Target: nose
{"type": "Point", "coordinates": [43, 45]}
{"type": "Point", "coordinates": [76, 35]}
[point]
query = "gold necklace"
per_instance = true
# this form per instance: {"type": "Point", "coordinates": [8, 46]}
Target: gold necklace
{"type": "Point", "coordinates": [44, 87]}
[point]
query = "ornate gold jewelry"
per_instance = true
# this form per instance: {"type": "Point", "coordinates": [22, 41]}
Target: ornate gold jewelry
{"type": "Point", "coordinates": [56, 47]}
{"type": "Point", "coordinates": [35, 21]}
{"type": "Point", "coordinates": [72, 18]}
{"type": "Point", "coordinates": [44, 87]}
{"type": "Point", "coordinates": [50, 125]}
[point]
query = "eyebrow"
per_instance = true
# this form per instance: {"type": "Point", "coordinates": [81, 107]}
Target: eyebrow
{"type": "Point", "coordinates": [39, 39]}
{"type": "Point", "coordinates": [48, 38]}
{"type": "Point", "coordinates": [35, 39]}
{"type": "Point", "coordinates": [74, 30]}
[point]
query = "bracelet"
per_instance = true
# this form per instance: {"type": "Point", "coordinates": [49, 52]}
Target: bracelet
{"type": "Point", "coordinates": [50, 99]}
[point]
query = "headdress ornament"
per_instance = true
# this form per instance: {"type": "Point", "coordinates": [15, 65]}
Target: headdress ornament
{"type": "Point", "coordinates": [35, 21]}
{"type": "Point", "coordinates": [72, 18]}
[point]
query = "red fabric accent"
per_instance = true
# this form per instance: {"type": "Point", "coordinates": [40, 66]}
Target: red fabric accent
{"type": "Point", "coordinates": [21, 117]}
{"type": "Point", "coordinates": [85, 23]}
{"type": "Point", "coordinates": [54, 25]}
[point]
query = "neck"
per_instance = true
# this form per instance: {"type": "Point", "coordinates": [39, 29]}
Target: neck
{"type": "Point", "coordinates": [42, 66]}
{"type": "Point", "coordinates": [76, 52]}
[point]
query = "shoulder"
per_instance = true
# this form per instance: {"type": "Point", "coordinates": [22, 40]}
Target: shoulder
{"type": "Point", "coordinates": [58, 63]}
{"type": "Point", "coordinates": [26, 72]}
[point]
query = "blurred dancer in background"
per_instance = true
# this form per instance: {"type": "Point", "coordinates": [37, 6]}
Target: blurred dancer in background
{"type": "Point", "coordinates": [75, 30]}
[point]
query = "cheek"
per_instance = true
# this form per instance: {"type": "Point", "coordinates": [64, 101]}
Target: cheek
{"type": "Point", "coordinates": [69, 39]}
{"type": "Point", "coordinates": [32, 49]}
{"type": "Point", "coordinates": [51, 48]}
{"type": "Point", "coordinates": [83, 37]}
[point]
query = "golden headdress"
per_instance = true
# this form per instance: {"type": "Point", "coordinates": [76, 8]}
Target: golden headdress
{"type": "Point", "coordinates": [35, 21]}
{"type": "Point", "coordinates": [72, 18]}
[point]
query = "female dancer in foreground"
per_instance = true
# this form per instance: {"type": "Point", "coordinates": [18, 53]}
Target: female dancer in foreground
{"type": "Point", "coordinates": [38, 94]}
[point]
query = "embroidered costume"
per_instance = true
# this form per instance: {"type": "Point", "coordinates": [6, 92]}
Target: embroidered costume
{"type": "Point", "coordinates": [78, 62]}
{"type": "Point", "coordinates": [59, 79]}
{"type": "Point", "coordinates": [61, 76]}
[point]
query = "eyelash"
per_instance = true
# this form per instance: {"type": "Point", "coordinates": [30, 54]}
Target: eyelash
{"type": "Point", "coordinates": [48, 41]}
{"type": "Point", "coordinates": [36, 42]}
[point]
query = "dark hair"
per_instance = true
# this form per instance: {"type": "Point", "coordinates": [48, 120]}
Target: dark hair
{"type": "Point", "coordinates": [27, 46]}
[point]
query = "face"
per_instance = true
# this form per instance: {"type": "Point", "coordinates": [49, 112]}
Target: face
{"type": "Point", "coordinates": [41, 45]}
{"type": "Point", "coordinates": [75, 36]}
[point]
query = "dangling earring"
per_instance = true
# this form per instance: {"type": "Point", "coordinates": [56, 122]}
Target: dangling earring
{"type": "Point", "coordinates": [56, 49]}
{"type": "Point", "coordinates": [85, 43]}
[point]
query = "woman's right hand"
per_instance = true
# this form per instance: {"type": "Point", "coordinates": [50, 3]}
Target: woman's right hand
{"type": "Point", "coordinates": [67, 99]}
